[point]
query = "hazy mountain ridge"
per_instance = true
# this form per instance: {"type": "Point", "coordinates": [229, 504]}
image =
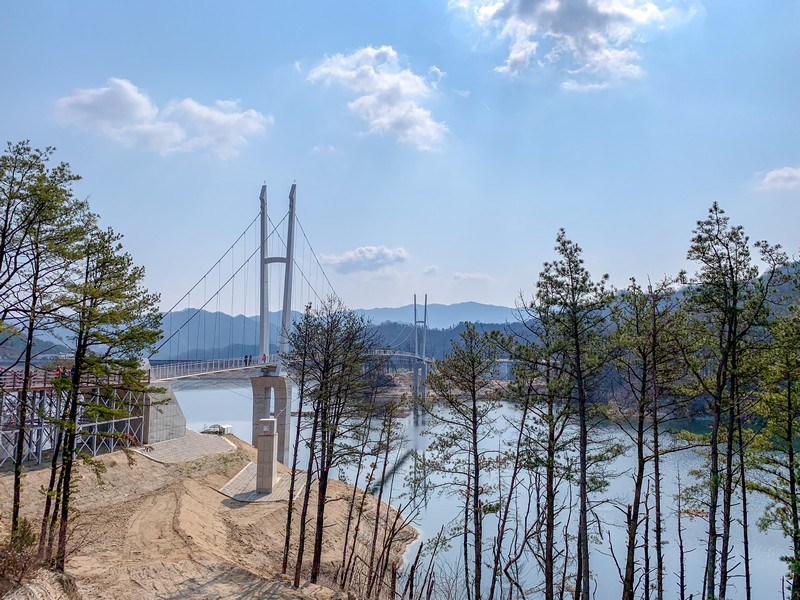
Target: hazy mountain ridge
{"type": "Point", "coordinates": [442, 316]}
{"type": "Point", "coordinates": [207, 334]}
{"type": "Point", "coordinates": [193, 335]}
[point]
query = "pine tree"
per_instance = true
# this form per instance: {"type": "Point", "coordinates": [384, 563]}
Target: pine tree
{"type": "Point", "coordinates": [113, 319]}
{"type": "Point", "coordinates": [579, 308]}
{"type": "Point", "coordinates": [729, 304]}
{"type": "Point", "coordinates": [775, 463]}
{"type": "Point", "coordinates": [42, 223]}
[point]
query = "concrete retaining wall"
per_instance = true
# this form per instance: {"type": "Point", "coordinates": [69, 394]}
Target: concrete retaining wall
{"type": "Point", "coordinates": [163, 417]}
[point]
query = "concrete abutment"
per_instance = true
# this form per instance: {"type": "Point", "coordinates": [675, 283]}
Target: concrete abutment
{"type": "Point", "coordinates": [272, 398]}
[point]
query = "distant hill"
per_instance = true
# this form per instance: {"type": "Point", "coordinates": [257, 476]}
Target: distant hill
{"type": "Point", "coordinates": [206, 335]}
{"type": "Point", "coordinates": [192, 335]}
{"type": "Point", "coordinates": [217, 335]}
{"type": "Point", "coordinates": [12, 348]}
{"type": "Point", "coordinates": [442, 316]}
{"type": "Point", "coordinates": [400, 336]}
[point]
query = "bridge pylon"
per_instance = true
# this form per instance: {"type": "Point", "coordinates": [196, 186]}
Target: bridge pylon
{"type": "Point", "coordinates": [288, 261]}
{"type": "Point", "coordinates": [272, 390]}
{"type": "Point", "coordinates": [420, 368]}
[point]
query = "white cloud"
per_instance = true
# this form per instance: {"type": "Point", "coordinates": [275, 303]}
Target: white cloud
{"type": "Point", "coordinates": [430, 271]}
{"type": "Point", "coordinates": [389, 94]}
{"type": "Point", "coordinates": [787, 178]}
{"type": "Point", "coordinates": [480, 277]}
{"type": "Point", "coordinates": [576, 86]}
{"type": "Point", "coordinates": [436, 75]}
{"type": "Point", "coordinates": [122, 112]}
{"type": "Point", "coordinates": [323, 149]}
{"type": "Point", "coordinates": [594, 41]}
{"type": "Point", "coordinates": [365, 258]}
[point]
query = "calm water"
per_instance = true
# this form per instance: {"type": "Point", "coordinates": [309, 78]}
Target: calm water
{"type": "Point", "coordinates": [230, 402]}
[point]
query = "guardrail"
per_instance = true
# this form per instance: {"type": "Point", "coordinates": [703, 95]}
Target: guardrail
{"type": "Point", "coordinates": [401, 354]}
{"type": "Point", "coordinates": [12, 379]}
{"type": "Point", "coordinates": [217, 365]}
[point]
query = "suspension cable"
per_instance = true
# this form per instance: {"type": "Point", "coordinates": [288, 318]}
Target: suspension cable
{"type": "Point", "coordinates": [215, 264]}
{"type": "Point", "coordinates": [330, 285]}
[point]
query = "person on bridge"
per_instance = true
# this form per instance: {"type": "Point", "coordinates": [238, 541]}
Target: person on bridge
{"type": "Point", "coordinates": [263, 359]}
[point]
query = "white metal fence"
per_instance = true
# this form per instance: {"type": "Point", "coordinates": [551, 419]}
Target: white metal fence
{"type": "Point", "coordinates": [218, 365]}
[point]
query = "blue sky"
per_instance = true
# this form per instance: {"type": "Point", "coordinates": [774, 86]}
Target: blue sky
{"type": "Point", "coordinates": [437, 146]}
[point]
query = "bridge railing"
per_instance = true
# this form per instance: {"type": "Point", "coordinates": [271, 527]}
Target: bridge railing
{"type": "Point", "coordinates": [400, 354]}
{"type": "Point", "coordinates": [178, 370]}
{"type": "Point", "coordinates": [12, 379]}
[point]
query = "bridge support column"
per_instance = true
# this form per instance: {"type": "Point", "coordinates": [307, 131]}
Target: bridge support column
{"type": "Point", "coordinates": [264, 388]}
{"type": "Point", "coordinates": [419, 375]}
{"type": "Point", "coordinates": [266, 466]}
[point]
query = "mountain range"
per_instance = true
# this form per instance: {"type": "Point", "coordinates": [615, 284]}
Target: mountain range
{"type": "Point", "coordinates": [197, 335]}
{"type": "Point", "coordinates": [441, 316]}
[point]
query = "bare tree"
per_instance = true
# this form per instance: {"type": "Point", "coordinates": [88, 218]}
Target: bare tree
{"type": "Point", "coordinates": [335, 345]}
{"type": "Point", "coordinates": [646, 363]}
{"type": "Point", "coordinates": [463, 415]}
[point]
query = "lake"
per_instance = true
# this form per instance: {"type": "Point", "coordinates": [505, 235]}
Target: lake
{"type": "Point", "coordinates": [230, 402]}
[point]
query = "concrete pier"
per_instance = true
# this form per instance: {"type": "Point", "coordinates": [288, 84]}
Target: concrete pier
{"type": "Point", "coordinates": [272, 395]}
{"type": "Point", "coordinates": [266, 465]}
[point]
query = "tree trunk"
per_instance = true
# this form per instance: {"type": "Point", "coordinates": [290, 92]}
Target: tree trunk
{"type": "Point", "coordinates": [646, 545]}
{"type": "Point", "coordinates": [22, 415]}
{"type": "Point", "coordinates": [292, 480]}
{"type": "Point", "coordinates": [681, 552]}
{"type": "Point", "coordinates": [301, 542]}
{"type": "Point", "coordinates": [550, 502]}
{"type": "Point", "coordinates": [67, 461]}
{"type": "Point", "coordinates": [477, 517]}
{"type": "Point", "coordinates": [583, 518]}
{"type": "Point", "coordinates": [50, 494]}
{"type": "Point", "coordinates": [790, 416]}
{"type": "Point", "coordinates": [710, 576]}
{"type": "Point", "coordinates": [322, 492]}
{"type": "Point", "coordinates": [656, 454]}
{"type": "Point", "coordinates": [467, 494]}
{"type": "Point", "coordinates": [727, 503]}
{"type": "Point", "coordinates": [633, 509]}
{"type": "Point", "coordinates": [745, 527]}
{"type": "Point", "coordinates": [373, 545]}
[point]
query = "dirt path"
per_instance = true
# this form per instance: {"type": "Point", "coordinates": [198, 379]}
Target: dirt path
{"type": "Point", "coordinates": [151, 530]}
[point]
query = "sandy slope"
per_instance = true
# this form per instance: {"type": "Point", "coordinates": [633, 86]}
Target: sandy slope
{"type": "Point", "coordinates": [163, 531]}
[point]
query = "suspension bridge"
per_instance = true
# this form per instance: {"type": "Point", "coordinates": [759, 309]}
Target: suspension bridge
{"type": "Point", "coordinates": [202, 335]}
{"type": "Point", "coordinates": [265, 243]}
{"type": "Point", "coordinates": [213, 331]}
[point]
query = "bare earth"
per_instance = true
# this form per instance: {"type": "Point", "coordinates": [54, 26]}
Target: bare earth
{"type": "Point", "coordinates": [153, 530]}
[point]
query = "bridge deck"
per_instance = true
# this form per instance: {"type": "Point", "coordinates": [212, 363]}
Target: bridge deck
{"type": "Point", "coordinates": [11, 380]}
{"type": "Point", "coordinates": [196, 368]}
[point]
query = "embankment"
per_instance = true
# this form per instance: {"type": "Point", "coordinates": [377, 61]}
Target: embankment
{"type": "Point", "coordinates": [152, 530]}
